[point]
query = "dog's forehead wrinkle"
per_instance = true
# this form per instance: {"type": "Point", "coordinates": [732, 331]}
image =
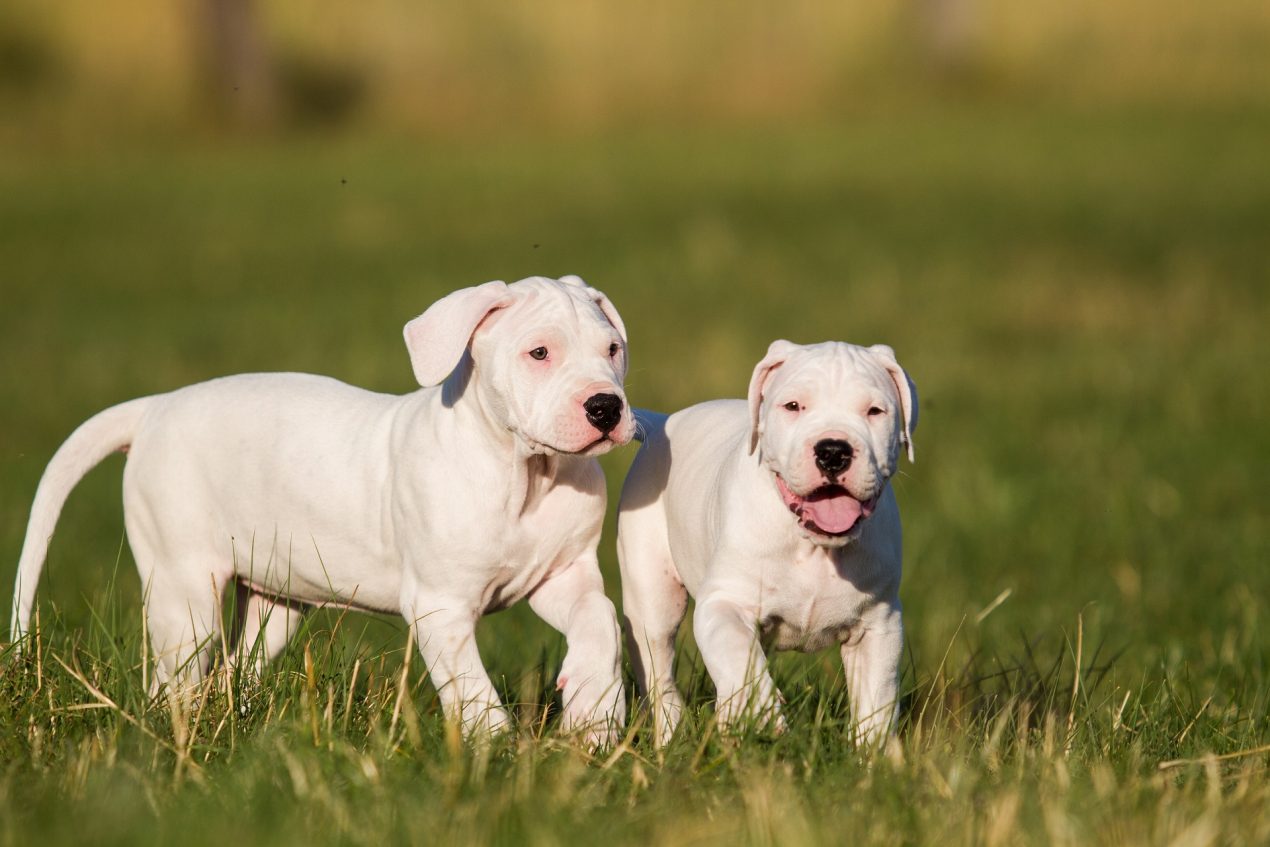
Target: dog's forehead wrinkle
{"type": "Point", "coordinates": [571, 311]}
{"type": "Point", "coordinates": [845, 375]}
{"type": "Point", "coordinates": [550, 314]}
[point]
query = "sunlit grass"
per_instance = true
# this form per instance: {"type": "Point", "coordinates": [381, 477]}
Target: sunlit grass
{"type": "Point", "coordinates": [342, 742]}
{"type": "Point", "coordinates": [1080, 298]}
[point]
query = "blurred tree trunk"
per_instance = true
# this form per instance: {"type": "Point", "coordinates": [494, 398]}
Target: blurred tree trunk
{"type": "Point", "coordinates": [237, 70]}
{"type": "Point", "coordinates": [948, 33]}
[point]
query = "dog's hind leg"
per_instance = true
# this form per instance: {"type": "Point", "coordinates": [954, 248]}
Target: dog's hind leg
{"type": "Point", "coordinates": [183, 616]}
{"type": "Point", "coordinates": [263, 627]}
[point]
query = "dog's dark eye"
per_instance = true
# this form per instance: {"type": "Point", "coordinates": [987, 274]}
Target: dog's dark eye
{"type": "Point", "coordinates": [613, 348]}
{"type": "Point", "coordinates": [538, 353]}
{"type": "Point", "coordinates": [876, 410]}
{"type": "Point", "coordinates": [793, 406]}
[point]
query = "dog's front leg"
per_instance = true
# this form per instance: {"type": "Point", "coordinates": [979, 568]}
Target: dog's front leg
{"type": "Point", "coordinates": [573, 602]}
{"type": "Point", "coordinates": [872, 665]}
{"type": "Point", "coordinates": [727, 635]}
{"type": "Point", "coordinates": [446, 634]}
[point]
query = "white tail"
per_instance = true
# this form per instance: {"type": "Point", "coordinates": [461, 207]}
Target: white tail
{"type": "Point", "coordinates": [96, 438]}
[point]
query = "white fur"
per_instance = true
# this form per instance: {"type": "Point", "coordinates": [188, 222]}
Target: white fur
{"type": "Point", "coordinates": [701, 514]}
{"type": "Point", "coordinates": [441, 505]}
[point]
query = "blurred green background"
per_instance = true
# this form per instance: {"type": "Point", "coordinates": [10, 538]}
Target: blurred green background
{"type": "Point", "coordinates": [1057, 214]}
{"type": "Point", "coordinates": [78, 71]}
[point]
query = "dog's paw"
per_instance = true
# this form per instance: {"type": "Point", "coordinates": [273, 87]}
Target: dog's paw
{"type": "Point", "coordinates": [737, 716]}
{"type": "Point", "coordinates": [484, 720]}
{"type": "Point", "coordinates": [667, 710]}
{"type": "Point", "coordinates": [594, 709]}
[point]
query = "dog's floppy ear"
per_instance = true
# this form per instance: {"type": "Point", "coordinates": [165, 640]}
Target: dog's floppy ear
{"type": "Point", "coordinates": [905, 388]}
{"type": "Point", "coordinates": [606, 305]}
{"type": "Point", "coordinates": [437, 338]}
{"type": "Point", "coordinates": [777, 353]}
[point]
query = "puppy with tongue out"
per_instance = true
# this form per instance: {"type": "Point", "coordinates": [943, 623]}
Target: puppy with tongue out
{"type": "Point", "coordinates": [775, 514]}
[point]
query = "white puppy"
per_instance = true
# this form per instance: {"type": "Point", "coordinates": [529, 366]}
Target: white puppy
{"type": "Point", "coordinates": [441, 505]}
{"type": "Point", "coordinates": [777, 518]}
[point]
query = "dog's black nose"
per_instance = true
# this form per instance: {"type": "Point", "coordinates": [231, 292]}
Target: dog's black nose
{"type": "Point", "coordinates": [833, 456]}
{"type": "Point", "coordinates": [603, 411]}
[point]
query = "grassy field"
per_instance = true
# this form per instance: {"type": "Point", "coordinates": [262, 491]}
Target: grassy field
{"type": "Point", "coordinates": [1081, 298]}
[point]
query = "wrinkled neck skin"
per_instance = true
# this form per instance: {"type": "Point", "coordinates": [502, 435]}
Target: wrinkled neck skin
{"type": "Point", "coordinates": [478, 409]}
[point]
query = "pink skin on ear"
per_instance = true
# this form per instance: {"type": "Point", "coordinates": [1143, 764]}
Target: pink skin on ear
{"type": "Point", "coordinates": [437, 338]}
{"type": "Point", "coordinates": [904, 387]}
{"type": "Point", "coordinates": [777, 352]}
{"type": "Point", "coordinates": [610, 312]}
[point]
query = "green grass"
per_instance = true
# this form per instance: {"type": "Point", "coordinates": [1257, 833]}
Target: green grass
{"type": "Point", "coordinates": [1081, 299]}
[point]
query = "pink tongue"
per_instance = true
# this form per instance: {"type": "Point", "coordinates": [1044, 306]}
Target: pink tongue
{"type": "Point", "coordinates": [833, 514]}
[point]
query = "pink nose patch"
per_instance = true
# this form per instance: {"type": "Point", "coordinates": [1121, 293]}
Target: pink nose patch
{"type": "Point", "coordinates": [829, 509]}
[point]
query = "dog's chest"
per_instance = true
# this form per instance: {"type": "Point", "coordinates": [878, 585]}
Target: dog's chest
{"type": "Point", "coordinates": [543, 540]}
{"type": "Point", "coordinates": [529, 559]}
{"type": "Point", "coordinates": [808, 605]}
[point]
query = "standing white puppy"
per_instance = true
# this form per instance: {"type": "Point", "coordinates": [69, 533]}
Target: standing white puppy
{"type": "Point", "coordinates": [441, 505]}
{"type": "Point", "coordinates": [777, 518]}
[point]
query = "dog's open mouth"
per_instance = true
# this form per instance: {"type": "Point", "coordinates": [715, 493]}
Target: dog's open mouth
{"type": "Point", "coordinates": [828, 510]}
